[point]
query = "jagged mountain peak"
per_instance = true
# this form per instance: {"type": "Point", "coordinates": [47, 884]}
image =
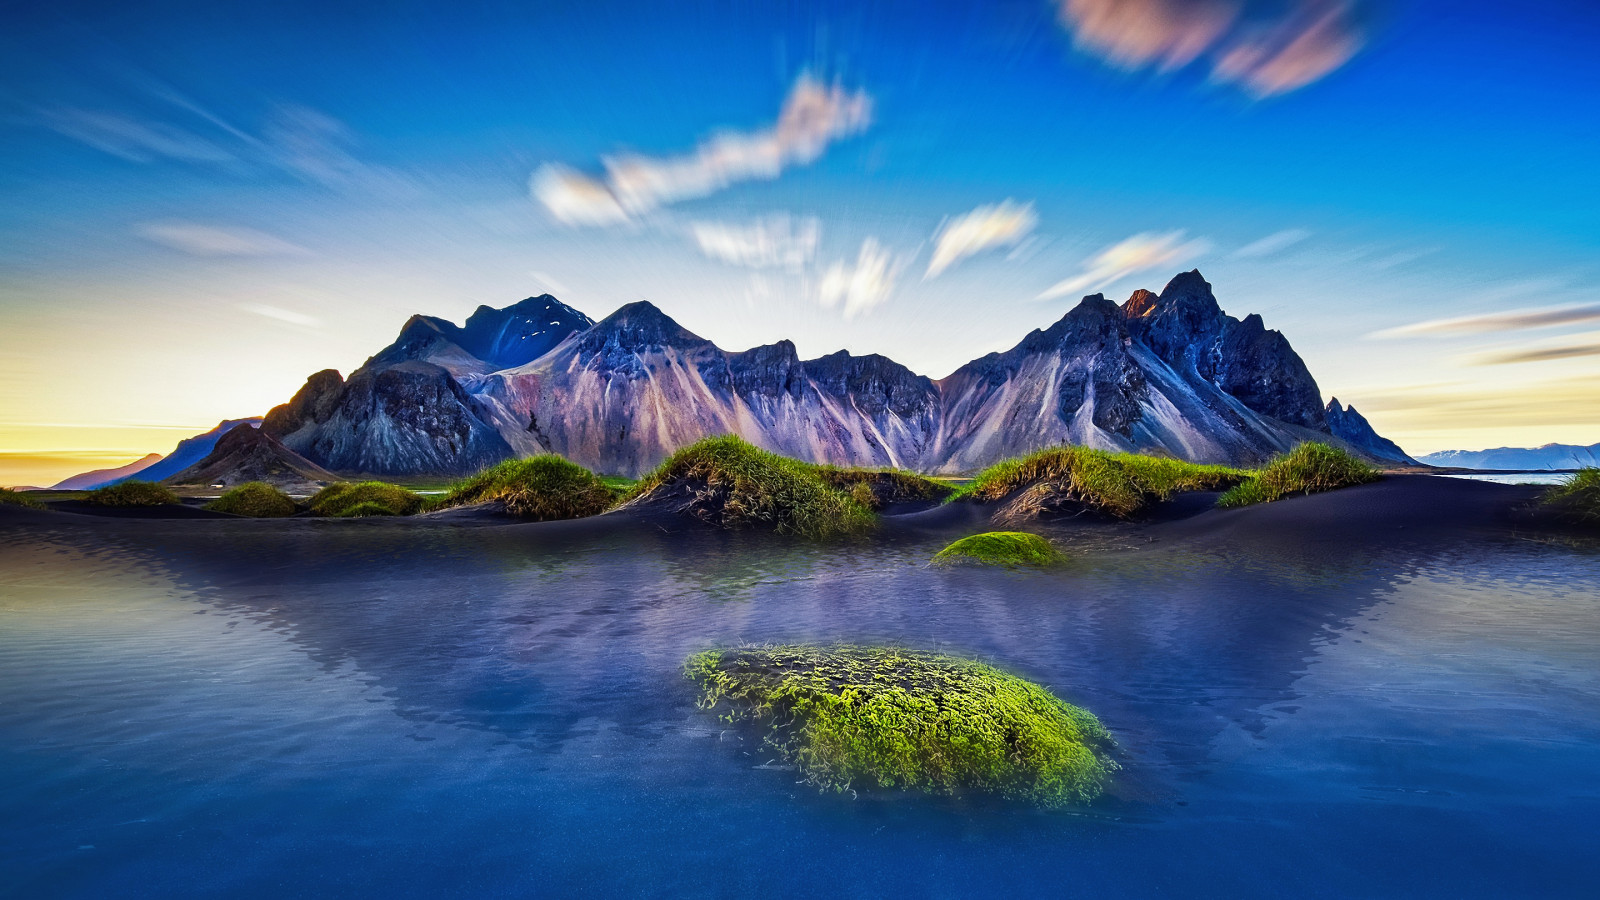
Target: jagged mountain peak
{"type": "Point", "coordinates": [640, 325]}
{"type": "Point", "coordinates": [1141, 304]}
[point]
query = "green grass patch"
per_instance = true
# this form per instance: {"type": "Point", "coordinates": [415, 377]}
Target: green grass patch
{"type": "Point", "coordinates": [729, 483]}
{"type": "Point", "coordinates": [1309, 468]}
{"type": "Point", "coordinates": [1000, 548]}
{"type": "Point", "coordinates": [372, 498]}
{"type": "Point", "coordinates": [541, 488]}
{"type": "Point", "coordinates": [871, 717]}
{"type": "Point", "coordinates": [132, 493]}
{"type": "Point", "coordinates": [1577, 498]}
{"type": "Point", "coordinates": [8, 497]}
{"type": "Point", "coordinates": [877, 488]}
{"type": "Point", "coordinates": [619, 483]}
{"type": "Point", "coordinates": [1117, 484]}
{"type": "Point", "coordinates": [255, 499]}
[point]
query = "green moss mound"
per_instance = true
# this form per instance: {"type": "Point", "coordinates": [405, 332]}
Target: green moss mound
{"type": "Point", "coordinates": [8, 497]}
{"type": "Point", "coordinates": [1000, 548]}
{"type": "Point", "coordinates": [1071, 479]}
{"type": "Point", "coordinates": [866, 717]}
{"type": "Point", "coordinates": [1309, 468]}
{"type": "Point", "coordinates": [132, 493]}
{"type": "Point", "coordinates": [378, 497]}
{"type": "Point", "coordinates": [877, 488]}
{"type": "Point", "coordinates": [1578, 498]}
{"type": "Point", "coordinates": [541, 488]}
{"type": "Point", "coordinates": [729, 483]}
{"type": "Point", "coordinates": [255, 499]}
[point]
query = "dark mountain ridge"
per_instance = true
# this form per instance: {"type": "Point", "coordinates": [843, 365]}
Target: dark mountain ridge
{"type": "Point", "coordinates": [1167, 373]}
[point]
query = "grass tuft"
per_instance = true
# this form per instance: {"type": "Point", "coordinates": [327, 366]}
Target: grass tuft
{"type": "Point", "coordinates": [871, 717]}
{"type": "Point", "coordinates": [1000, 548]}
{"type": "Point", "coordinates": [8, 497]}
{"type": "Point", "coordinates": [1578, 497]}
{"type": "Point", "coordinates": [1076, 478]}
{"type": "Point", "coordinates": [877, 488]}
{"type": "Point", "coordinates": [541, 488]}
{"type": "Point", "coordinates": [132, 493]}
{"type": "Point", "coordinates": [378, 498]}
{"type": "Point", "coordinates": [255, 499]}
{"type": "Point", "coordinates": [1309, 468]}
{"type": "Point", "coordinates": [729, 483]}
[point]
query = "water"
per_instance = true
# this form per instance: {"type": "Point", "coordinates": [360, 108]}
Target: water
{"type": "Point", "coordinates": [463, 712]}
{"type": "Point", "coordinates": [1518, 477]}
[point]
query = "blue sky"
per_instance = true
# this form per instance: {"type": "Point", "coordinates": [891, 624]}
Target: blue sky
{"type": "Point", "coordinates": [205, 203]}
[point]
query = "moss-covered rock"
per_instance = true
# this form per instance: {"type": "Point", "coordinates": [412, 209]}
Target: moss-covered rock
{"type": "Point", "coordinates": [729, 483]}
{"type": "Point", "coordinates": [1000, 548]}
{"type": "Point", "coordinates": [378, 498]}
{"type": "Point", "coordinates": [8, 497]}
{"type": "Point", "coordinates": [541, 488]}
{"type": "Point", "coordinates": [853, 718]}
{"type": "Point", "coordinates": [255, 499]}
{"type": "Point", "coordinates": [1310, 468]}
{"type": "Point", "coordinates": [1070, 480]}
{"type": "Point", "coordinates": [132, 493]}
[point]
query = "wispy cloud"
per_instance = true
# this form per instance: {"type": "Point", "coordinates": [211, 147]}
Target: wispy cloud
{"type": "Point", "coordinates": [1539, 354]}
{"type": "Point", "coordinates": [861, 286]}
{"type": "Point", "coordinates": [211, 240]}
{"type": "Point", "coordinates": [1135, 254]}
{"type": "Point", "coordinates": [282, 315]}
{"type": "Point", "coordinates": [1490, 323]}
{"type": "Point", "coordinates": [773, 242]}
{"type": "Point", "coordinates": [813, 116]}
{"type": "Point", "coordinates": [1265, 48]}
{"type": "Point", "coordinates": [1000, 224]}
{"type": "Point", "coordinates": [1571, 401]}
{"type": "Point", "coordinates": [133, 139]}
{"type": "Point", "coordinates": [1272, 243]}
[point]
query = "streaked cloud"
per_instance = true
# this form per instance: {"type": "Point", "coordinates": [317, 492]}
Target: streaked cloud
{"type": "Point", "coordinates": [997, 225]}
{"type": "Point", "coordinates": [1272, 243]}
{"type": "Point", "coordinates": [1452, 410]}
{"type": "Point", "coordinates": [1265, 48]}
{"type": "Point", "coordinates": [1139, 253]}
{"type": "Point", "coordinates": [211, 240]}
{"type": "Point", "coordinates": [1490, 323]}
{"type": "Point", "coordinates": [774, 242]}
{"type": "Point", "coordinates": [1539, 354]}
{"type": "Point", "coordinates": [861, 286]}
{"type": "Point", "coordinates": [133, 139]}
{"type": "Point", "coordinates": [813, 116]}
{"type": "Point", "coordinates": [282, 315]}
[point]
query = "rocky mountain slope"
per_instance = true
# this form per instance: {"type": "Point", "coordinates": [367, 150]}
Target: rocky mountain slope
{"type": "Point", "coordinates": [246, 454]}
{"type": "Point", "coordinates": [1354, 429]}
{"type": "Point", "coordinates": [1166, 373]}
{"type": "Point", "coordinates": [188, 452]}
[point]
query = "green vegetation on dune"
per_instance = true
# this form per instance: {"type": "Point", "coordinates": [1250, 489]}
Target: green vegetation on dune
{"type": "Point", "coordinates": [1117, 484]}
{"type": "Point", "coordinates": [1000, 548]}
{"type": "Point", "coordinates": [541, 488]}
{"type": "Point", "coordinates": [1577, 498]}
{"type": "Point", "coordinates": [1309, 468]}
{"type": "Point", "coordinates": [866, 717]}
{"type": "Point", "coordinates": [877, 488]}
{"type": "Point", "coordinates": [372, 498]}
{"type": "Point", "coordinates": [255, 499]}
{"type": "Point", "coordinates": [132, 493]}
{"type": "Point", "coordinates": [729, 483]}
{"type": "Point", "coordinates": [8, 497]}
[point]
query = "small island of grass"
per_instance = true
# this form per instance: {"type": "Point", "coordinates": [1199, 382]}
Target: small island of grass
{"type": "Point", "coordinates": [132, 493]}
{"type": "Point", "coordinates": [255, 499]}
{"type": "Point", "coordinates": [1000, 548]}
{"type": "Point", "coordinates": [367, 498]}
{"type": "Point", "coordinates": [1069, 480]}
{"type": "Point", "coordinates": [850, 718]}
{"type": "Point", "coordinates": [1578, 498]}
{"type": "Point", "coordinates": [1310, 468]}
{"type": "Point", "coordinates": [727, 482]}
{"type": "Point", "coordinates": [540, 489]}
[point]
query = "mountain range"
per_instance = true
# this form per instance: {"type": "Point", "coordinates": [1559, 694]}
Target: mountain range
{"type": "Point", "coordinates": [1550, 456]}
{"type": "Point", "coordinates": [155, 467]}
{"type": "Point", "coordinates": [1166, 373]}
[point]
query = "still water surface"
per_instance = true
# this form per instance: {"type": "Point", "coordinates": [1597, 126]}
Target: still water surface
{"type": "Point", "coordinates": [477, 712]}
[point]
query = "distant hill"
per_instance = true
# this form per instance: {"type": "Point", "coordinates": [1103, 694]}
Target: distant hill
{"type": "Point", "coordinates": [1550, 456]}
{"type": "Point", "coordinates": [1166, 373]}
{"type": "Point", "coordinates": [100, 477]}
{"type": "Point", "coordinates": [246, 453]}
{"type": "Point", "coordinates": [188, 452]}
